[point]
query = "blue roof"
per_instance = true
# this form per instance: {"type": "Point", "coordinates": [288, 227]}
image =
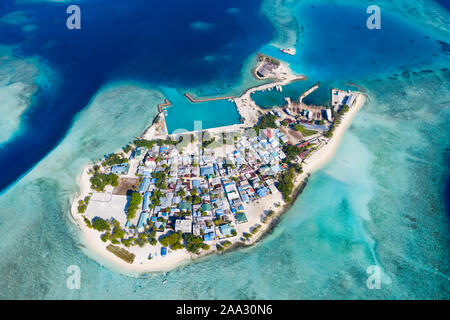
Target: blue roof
{"type": "Point", "coordinates": [196, 183]}
{"type": "Point", "coordinates": [147, 202]}
{"type": "Point", "coordinates": [262, 192]}
{"type": "Point", "coordinates": [144, 185]}
{"type": "Point", "coordinates": [146, 173]}
{"type": "Point", "coordinates": [119, 169]}
{"type": "Point", "coordinates": [207, 171]}
{"type": "Point", "coordinates": [225, 229]}
{"type": "Point", "coordinates": [143, 220]}
{"type": "Point", "coordinates": [163, 251]}
{"type": "Point", "coordinates": [208, 236]}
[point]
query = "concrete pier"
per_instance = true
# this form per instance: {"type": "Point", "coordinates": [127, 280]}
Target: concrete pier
{"type": "Point", "coordinates": [194, 100]}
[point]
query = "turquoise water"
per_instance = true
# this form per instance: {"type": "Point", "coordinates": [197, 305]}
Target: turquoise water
{"type": "Point", "coordinates": [380, 200]}
{"type": "Point", "coordinates": [183, 113]}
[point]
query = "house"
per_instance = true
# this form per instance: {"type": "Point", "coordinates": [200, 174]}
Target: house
{"type": "Point", "coordinates": [206, 207]}
{"type": "Point", "coordinates": [241, 217]}
{"type": "Point", "coordinates": [225, 229]}
{"type": "Point", "coordinates": [184, 206]}
{"type": "Point", "coordinates": [262, 192]}
{"type": "Point", "coordinates": [208, 236]}
{"type": "Point", "coordinates": [144, 185]}
{"type": "Point", "coordinates": [183, 225]}
{"type": "Point", "coordinates": [207, 171]}
{"type": "Point", "coordinates": [349, 100]}
{"type": "Point", "coordinates": [146, 203]}
{"type": "Point", "coordinates": [143, 220]}
{"type": "Point", "coordinates": [120, 169]}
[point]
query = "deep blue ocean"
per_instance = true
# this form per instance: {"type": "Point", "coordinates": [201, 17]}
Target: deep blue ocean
{"type": "Point", "coordinates": [159, 43]}
{"type": "Point", "coordinates": [381, 199]}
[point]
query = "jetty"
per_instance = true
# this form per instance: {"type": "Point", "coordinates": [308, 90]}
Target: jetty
{"type": "Point", "coordinates": [194, 100]}
{"type": "Point", "coordinates": [309, 91]}
{"type": "Point", "coordinates": [166, 103]}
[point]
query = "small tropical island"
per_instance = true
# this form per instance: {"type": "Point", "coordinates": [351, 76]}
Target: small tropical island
{"type": "Point", "coordinates": [166, 199]}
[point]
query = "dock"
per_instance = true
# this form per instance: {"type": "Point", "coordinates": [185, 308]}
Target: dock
{"type": "Point", "coordinates": [309, 91]}
{"type": "Point", "coordinates": [166, 103]}
{"type": "Point", "coordinates": [194, 100]}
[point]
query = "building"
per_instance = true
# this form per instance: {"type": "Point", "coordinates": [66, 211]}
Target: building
{"type": "Point", "coordinates": [349, 100]}
{"type": "Point", "coordinates": [225, 229]}
{"type": "Point", "coordinates": [120, 169]}
{"type": "Point", "coordinates": [143, 220]}
{"type": "Point", "coordinates": [146, 203]}
{"type": "Point", "coordinates": [144, 185]}
{"type": "Point", "coordinates": [185, 226]}
{"type": "Point", "coordinates": [241, 217]}
{"type": "Point", "coordinates": [207, 171]}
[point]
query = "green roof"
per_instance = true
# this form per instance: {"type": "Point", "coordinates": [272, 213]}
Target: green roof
{"type": "Point", "coordinates": [183, 205]}
{"type": "Point", "coordinates": [241, 217]}
{"type": "Point", "coordinates": [206, 207]}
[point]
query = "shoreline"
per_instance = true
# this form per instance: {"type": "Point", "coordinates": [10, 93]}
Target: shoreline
{"type": "Point", "coordinates": [95, 248]}
{"type": "Point", "coordinates": [263, 214]}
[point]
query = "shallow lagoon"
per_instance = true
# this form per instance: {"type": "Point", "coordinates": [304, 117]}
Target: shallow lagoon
{"type": "Point", "coordinates": [383, 192]}
{"type": "Point", "coordinates": [183, 113]}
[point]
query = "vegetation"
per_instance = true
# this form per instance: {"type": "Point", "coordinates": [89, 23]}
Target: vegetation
{"type": "Point", "coordinates": [127, 148]}
{"type": "Point", "coordinates": [100, 225]}
{"type": "Point", "coordinates": [305, 132]}
{"type": "Point", "coordinates": [82, 204]}
{"type": "Point", "coordinates": [262, 57]}
{"type": "Point", "coordinates": [121, 253]}
{"type": "Point", "coordinates": [337, 120]}
{"type": "Point", "coordinates": [256, 229]}
{"type": "Point", "coordinates": [247, 235]}
{"type": "Point", "coordinates": [113, 159]}
{"type": "Point", "coordinates": [160, 142]}
{"type": "Point", "coordinates": [226, 243]}
{"type": "Point", "coordinates": [291, 152]}
{"type": "Point", "coordinates": [286, 184]}
{"type": "Point", "coordinates": [267, 121]}
{"type": "Point", "coordinates": [100, 180]}
{"type": "Point", "coordinates": [206, 143]}
{"type": "Point", "coordinates": [135, 201]}
{"type": "Point", "coordinates": [105, 236]}
{"type": "Point", "coordinates": [87, 222]}
{"type": "Point", "coordinates": [117, 233]}
{"type": "Point", "coordinates": [193, 243]}
{"type": "Point", "coordinates": [297, 167]}
{"type": "Point", "coordinates": [172, 240]}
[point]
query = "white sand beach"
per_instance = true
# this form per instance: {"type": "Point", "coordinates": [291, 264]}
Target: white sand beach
{"type": "Point", "coordinates": [95, 248]}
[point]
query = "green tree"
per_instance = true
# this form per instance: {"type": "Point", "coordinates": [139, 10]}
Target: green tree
{"type": "Point", "coordinates": [100, 225]}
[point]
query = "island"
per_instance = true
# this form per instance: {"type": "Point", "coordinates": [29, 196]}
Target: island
{"type": "Point", "coordinates": [167, 199]}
